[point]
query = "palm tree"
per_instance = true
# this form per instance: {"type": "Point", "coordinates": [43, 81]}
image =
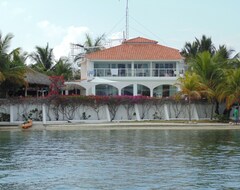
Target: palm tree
{"type": "Point", "coordinates": [224, 52]}
{"type": "Point", "coordinates": [43, 58]}
{"type": "Point", "coordinates": [191, 88]}
{"type": "Point", "coordinates": [190, 50]}
{"type": "Point", "coordinates": [62, 68]}
{"type": "Point", "coordinates": [94, 45]}
{"type": "Point", "coordinates": [208, 68]}
{"type": "Point", "coordinates": [4, 55]}
{"type": "Point", "coordinates": [205, 44]}
{"type": "Point", "coordinates": [91, 45]}
{"type": "Point", "coordinates": [210, 73]}
{"type": "Point", "coordinates": [12, 67]}
{"type": "Point", "coordinates": [230, 88]}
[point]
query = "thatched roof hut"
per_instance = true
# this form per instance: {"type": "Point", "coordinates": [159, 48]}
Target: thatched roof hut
{"type": "Point", "coordinates": [34, 77]}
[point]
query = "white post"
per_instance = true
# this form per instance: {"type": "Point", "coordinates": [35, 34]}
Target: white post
{"type": "Point", "coordinates": [44, 115]}
{"type": "Point", "coordinates": [119, 92]}
{"type": "Point", "coordinates": [151, 92]}
{"type": "Point", "coordinates": [151, 69]}
{"type": "Point", "coordinates": [11, 114]}
{"type": "Point", "coordinates": [177, 68]}
{"type": "Point", "coordinates": [86, 92]}
{"type": "Point", "coordinates": [135, 90]}
{"type": "Point", "coordinates": [107, 113]}
{"type": "Point", "coordinates": [166, 112]}
{"type": "Point", "coordinates": [94, 90]}
{"type": "Point", "coordinates": [195, 113]}
{"type": "Point", "coordinates": [132, 69]}
{"type": "Point", "coordinates": [25, 92]}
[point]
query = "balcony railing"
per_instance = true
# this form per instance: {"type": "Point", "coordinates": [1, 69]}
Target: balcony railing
{"type": "Point", "coordinates": [101, 72]}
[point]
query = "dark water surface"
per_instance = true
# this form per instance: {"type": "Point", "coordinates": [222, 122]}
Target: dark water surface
{"type": "Point", "coordinates": [120, 159]}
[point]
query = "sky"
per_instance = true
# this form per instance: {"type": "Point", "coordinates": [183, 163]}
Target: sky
{"type": "Point", "coordinates": [170, 22]}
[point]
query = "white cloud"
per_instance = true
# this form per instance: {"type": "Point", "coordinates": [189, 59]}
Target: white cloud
{"type": "Point", "coordinates": [67, 35]}
{"type": "Point", "coordinates": [74, 35]}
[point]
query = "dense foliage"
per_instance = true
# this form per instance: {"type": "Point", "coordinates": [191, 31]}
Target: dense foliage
{"type": "Point", "coordinates": [212, 74]}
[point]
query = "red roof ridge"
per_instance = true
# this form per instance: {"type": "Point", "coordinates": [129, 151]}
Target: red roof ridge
{"type": "Point", "coordinates": [140, 40]}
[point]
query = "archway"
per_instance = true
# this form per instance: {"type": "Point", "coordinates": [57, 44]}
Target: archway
{"type": "Point", "coordinates": [73, 89]}
{"type": "Point", "coordinates": [128, 90]}
{"type": "Point", "coordinates": [164, 90]}
{"type": "Point", "coordinates": [106, 90]}
{"type": "Point", "coordinates": [143, 90]}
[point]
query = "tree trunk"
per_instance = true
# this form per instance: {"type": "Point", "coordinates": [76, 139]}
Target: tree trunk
{"type": "Point", "coordinates": [211, 117]}
{"type": "Point", "coordinates": [217, 107]}
{"type": "Point", "coordinates": [226, 113]}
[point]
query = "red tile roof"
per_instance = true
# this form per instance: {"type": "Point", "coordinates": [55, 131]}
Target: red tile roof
{"type": "Point", "coordinates": [137, 49]}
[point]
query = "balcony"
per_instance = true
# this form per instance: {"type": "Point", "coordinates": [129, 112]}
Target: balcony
{"type": "Point", "coordinates": [148, 72]}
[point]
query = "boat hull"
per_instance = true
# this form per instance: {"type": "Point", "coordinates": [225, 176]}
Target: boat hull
{"type": "Point", "coordinates": [27, 125]}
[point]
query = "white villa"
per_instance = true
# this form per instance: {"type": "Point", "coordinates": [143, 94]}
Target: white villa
{"type": "Point", "coordinates": [138, 66]}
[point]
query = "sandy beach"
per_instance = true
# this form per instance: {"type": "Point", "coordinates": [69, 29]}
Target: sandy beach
{"type": "Point", "coordinates": [127, 126]}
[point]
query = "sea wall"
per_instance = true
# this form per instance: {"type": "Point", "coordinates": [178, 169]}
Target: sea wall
{"type": "Point", "coordinates": [74, 111]}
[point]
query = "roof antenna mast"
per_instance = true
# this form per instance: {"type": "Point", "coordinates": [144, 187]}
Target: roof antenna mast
{"type": "Point", "coordinates": [127, 21]}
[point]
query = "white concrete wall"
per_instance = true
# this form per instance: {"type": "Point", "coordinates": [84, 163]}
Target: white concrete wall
{"type": "Point", "coordinates": [84, 70]}
{"type": "Point", "coordinates": [168, 111]}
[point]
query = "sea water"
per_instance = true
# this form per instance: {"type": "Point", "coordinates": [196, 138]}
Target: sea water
{"type": "Point", "coordinates": [120, 159]}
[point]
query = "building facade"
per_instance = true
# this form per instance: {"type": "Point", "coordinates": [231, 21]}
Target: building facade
{"type": "Point", "coordinates": [138, 66]}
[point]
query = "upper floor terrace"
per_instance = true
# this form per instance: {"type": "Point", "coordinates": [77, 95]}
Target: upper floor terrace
{"type": "Point", "coordinates": [137, 69]}
{"type": "Point", "coordinates": [149, 72]}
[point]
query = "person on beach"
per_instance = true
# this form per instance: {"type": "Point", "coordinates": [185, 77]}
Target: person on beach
{"type": "Point", "coordinates": [236, 115]}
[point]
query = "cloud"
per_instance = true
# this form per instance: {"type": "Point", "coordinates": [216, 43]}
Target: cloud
{"type": "Point", "coordinates": [74, 35]}
{"type": "Point", "coordinates": [64, 36]}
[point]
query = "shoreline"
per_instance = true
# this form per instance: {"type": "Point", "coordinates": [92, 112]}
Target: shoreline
{"type": "Point", "coordinates": [125, 126]}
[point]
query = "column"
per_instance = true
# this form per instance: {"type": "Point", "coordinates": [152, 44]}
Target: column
{"type": "Point", "coordinates": [166, 112]}
{"type": "Point", "coordinates": [44, 115]}
{"type": "Point", "coordinates": [94, 90]}
{"type": "Point", "coordinates": [151, 92]}
{"type": "Point", "coordinates": [107, 113]}
{"type": "Point", "coordinates": [11, 113]}
{"type": "Point", "coordinates": [132, 69]}
{"type": "Point", "coordinates": [177, 69]}
{"type": "Point", "coordinates": [151, 69]}
{"type": "Point", "coordinates": [119, 91]}
{"type": "Point", "coordinates": [195, 113]}
{"type": "Point", "coordinates": [25, 92]}
{"type": "Point", "coordinates": [135, 93]}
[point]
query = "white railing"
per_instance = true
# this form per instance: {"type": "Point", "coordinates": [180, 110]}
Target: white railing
{"type": "Point", "coordinates": [148, 72]}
